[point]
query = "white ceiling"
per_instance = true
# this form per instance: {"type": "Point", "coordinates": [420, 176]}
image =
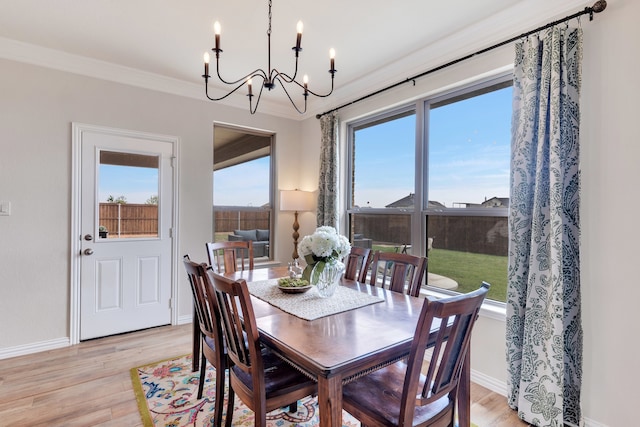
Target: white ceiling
{"type": "Point", "coordinates": [159, 44]}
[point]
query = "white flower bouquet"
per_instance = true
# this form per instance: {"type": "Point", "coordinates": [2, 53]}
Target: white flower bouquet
{"type": "Point", "coordinates": [324, 245]}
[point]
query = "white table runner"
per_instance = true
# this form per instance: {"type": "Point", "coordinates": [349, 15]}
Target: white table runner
{"type": "Point", "coordinates": [309, 305]}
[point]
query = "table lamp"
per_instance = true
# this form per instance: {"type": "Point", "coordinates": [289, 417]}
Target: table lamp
{"type": "Point", "coordinates": [296, 201]}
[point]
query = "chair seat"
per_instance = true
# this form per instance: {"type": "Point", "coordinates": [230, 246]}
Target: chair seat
{"type": "Point", "coordinates": [280, 377]}
{"type": "Point", "coordinates": [212, 344]}
{"type": "Point", "coordinates": [380, 392]}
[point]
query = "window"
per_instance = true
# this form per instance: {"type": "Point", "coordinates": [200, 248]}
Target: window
{"type": "Point", "coordinates": [439, 186]}
{"type": "Point", "coordinates": [242, 194]}
{"type": "Point", "coordinates": [128, 186]}
{"type": "Point", "coordinates": [383, 181]}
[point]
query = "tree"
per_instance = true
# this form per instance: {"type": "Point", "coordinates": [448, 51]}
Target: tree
{"type": "Point", "coordinates": [121, 200]}
{"type": "Point", "coordinates": [153, 200]}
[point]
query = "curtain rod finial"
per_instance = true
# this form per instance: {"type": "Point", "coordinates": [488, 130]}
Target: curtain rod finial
{"type": "Point", "coordinates": [599, 6]}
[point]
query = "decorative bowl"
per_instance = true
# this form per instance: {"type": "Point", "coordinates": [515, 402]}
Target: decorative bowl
{"type": "Point", "coordinates": [290, 285]}
{"type": "Point", "coordinates": [294, 289]}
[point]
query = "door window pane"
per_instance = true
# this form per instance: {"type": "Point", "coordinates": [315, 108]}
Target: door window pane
{"type": "Point", "coordinates": [128, 187]}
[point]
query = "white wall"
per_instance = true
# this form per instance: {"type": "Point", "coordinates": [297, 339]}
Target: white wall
{"type": "Point", "coordinates": [610, 152]}
{"type": "Point", "coordinates": [37, 107]}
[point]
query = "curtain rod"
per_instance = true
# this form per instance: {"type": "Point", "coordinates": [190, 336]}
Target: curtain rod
{"type": "Point", "coordinates": [597, 7]}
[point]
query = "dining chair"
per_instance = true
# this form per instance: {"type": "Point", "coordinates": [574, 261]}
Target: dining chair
{"type": "Point", "coordinates": [228, 257]}
{"type": "Point", "coordinates": [400, 394]}
{"type": "Point", "coordinates": [399, 272]}
{"type": "Point", "coordinates": [261, 379]}
{"type": "Point", "coordinates": [212, 344]}
{"type": "Point", "coordinates": [357, 264]}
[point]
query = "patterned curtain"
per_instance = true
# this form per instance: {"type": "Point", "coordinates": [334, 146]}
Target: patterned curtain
{"type": "Point", "coordinates": [328, 182]}
{"type": "Point", "coordinates": [544, 330]}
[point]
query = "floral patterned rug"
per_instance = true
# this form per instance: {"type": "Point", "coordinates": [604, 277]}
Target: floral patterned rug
{"type": "Point", "coordinates": [167, 392]}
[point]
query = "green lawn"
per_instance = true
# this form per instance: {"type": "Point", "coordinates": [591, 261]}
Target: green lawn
{"type": "Point", "coordinates": [468, 269]}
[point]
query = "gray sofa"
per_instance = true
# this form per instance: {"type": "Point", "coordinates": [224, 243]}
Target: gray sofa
{"type": "Point", "coordinates": [260, 239]}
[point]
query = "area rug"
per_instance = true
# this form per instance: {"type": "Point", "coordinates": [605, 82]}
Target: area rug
{"type": "Point", "coordinates": [167, 392]}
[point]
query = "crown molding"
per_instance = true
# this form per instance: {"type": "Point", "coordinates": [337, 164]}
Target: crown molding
{"type": "Point", "coordinates": [63, 61]}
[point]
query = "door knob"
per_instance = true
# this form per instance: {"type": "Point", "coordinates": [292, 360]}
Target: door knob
{"type": "Point", "coordinates": [88, 251]}
{"type": "Point", "coordinates": [88, 237]}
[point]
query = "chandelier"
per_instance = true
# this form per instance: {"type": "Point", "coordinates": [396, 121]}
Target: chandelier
{"type": "Point", "coordinates": [270, 77]}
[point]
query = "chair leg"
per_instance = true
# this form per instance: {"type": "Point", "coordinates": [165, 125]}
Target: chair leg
{"type": "Point", "coordinates": [203, 375]}
{"type": "Point", "coordinates": [230, 405]}
{"type": "Point", "coordinates": [217, 413]}
{"type": "Point", "coordinates": [293, 408]}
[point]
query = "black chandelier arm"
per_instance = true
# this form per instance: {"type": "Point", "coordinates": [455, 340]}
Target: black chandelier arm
{"type": "Point", "coordinates": [278, 76]}
{"type": "Point", "coordinates": [320, 95]}
{"type": "Point", "coordinates": [258, 71]}
{"type": "Point", "coordinates": [206, 90]}
{"type": "Point", "coordinates": [275, 73]}
{"type": "Point", "coordinates": [284, 88]}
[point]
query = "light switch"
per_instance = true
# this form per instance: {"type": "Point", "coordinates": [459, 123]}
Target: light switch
{"type": "Point", "coordinates": [5, 208]}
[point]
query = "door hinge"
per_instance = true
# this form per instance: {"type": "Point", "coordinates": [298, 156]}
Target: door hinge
{"type": "Point", "coordinates": [173, 162]}
{"type": "Point", "coordinates": [171, 233]}
{"type": "Point", "coordinates": [170, 302]}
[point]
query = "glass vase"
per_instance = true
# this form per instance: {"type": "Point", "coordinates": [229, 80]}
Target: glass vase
{"type": "Point", "coordinates": [326, 276]}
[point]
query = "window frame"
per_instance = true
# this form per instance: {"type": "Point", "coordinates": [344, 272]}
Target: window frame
{"type": "Point", "coordinates": [420, 213]}
{"type": "Point", "coordinates": [272, 182]}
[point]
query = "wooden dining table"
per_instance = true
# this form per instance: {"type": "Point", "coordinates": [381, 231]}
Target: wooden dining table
{"type": "Point", "coordinates": [338, 348]}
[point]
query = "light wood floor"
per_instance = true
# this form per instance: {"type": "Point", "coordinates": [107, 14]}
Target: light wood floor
{"type": "Point", "coordinates": [89, 384]}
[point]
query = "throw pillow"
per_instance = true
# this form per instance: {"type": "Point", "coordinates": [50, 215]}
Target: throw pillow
{"type": "Point", "coordinates": [246, 234]}
{"type": "Point", "coordinates": [263, 235]}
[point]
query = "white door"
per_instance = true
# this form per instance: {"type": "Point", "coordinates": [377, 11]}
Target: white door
{"type": "Point", "coordinates": [126, 272]}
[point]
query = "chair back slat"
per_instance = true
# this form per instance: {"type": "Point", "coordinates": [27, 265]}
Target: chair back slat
{"type": "Point", "coordinates": [399, 272]}
{"type": "Point", "coordinates": [358, 262]}
{"type": "Point", "coordinates": [229, 257]}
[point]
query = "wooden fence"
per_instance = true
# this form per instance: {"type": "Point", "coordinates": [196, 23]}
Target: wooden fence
{"type": "Point", "coordinates": [227, 221]}
{"type": "Point", "coordinates": [477, 234]}
{"type": "Point", "coordinates": [129, 219]}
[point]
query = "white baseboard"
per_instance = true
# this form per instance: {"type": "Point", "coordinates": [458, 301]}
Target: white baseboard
{"type": "Point", "coordinates": [491, 383]}
{"type": "Point", "coordinates": [183, 320]}
{"type": "Point", "coordinates": [36, 347]}
{"type": "Point", "coordinates": [592, 423]}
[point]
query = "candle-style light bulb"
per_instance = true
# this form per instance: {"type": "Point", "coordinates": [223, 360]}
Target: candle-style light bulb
{"type": "Point", "coordinates": [249, 82]}
{"type": "Point", "coordinates": [299, 37]}
{"type": "Point", "coordinates": [216, 30]}
{"type": "Point", "coordinates": [305, 81]}
{"type": "Point", "coordinates": [332, 57]}
{"type": "Point", "coordinates": [206, 64]}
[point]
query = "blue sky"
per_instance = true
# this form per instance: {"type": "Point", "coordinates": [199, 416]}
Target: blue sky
{"type": "Point", "coordinates": [246, 184]}
{"type": "Point", "coordinates": [468, 161]}
{"type": "Point", "coordinates": [135, 183]}
{"type": "Point", "coordinates": [469, 149]}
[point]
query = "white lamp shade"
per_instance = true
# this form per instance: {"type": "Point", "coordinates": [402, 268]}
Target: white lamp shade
{"type": "Point", "coordinates": [296, 200]}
